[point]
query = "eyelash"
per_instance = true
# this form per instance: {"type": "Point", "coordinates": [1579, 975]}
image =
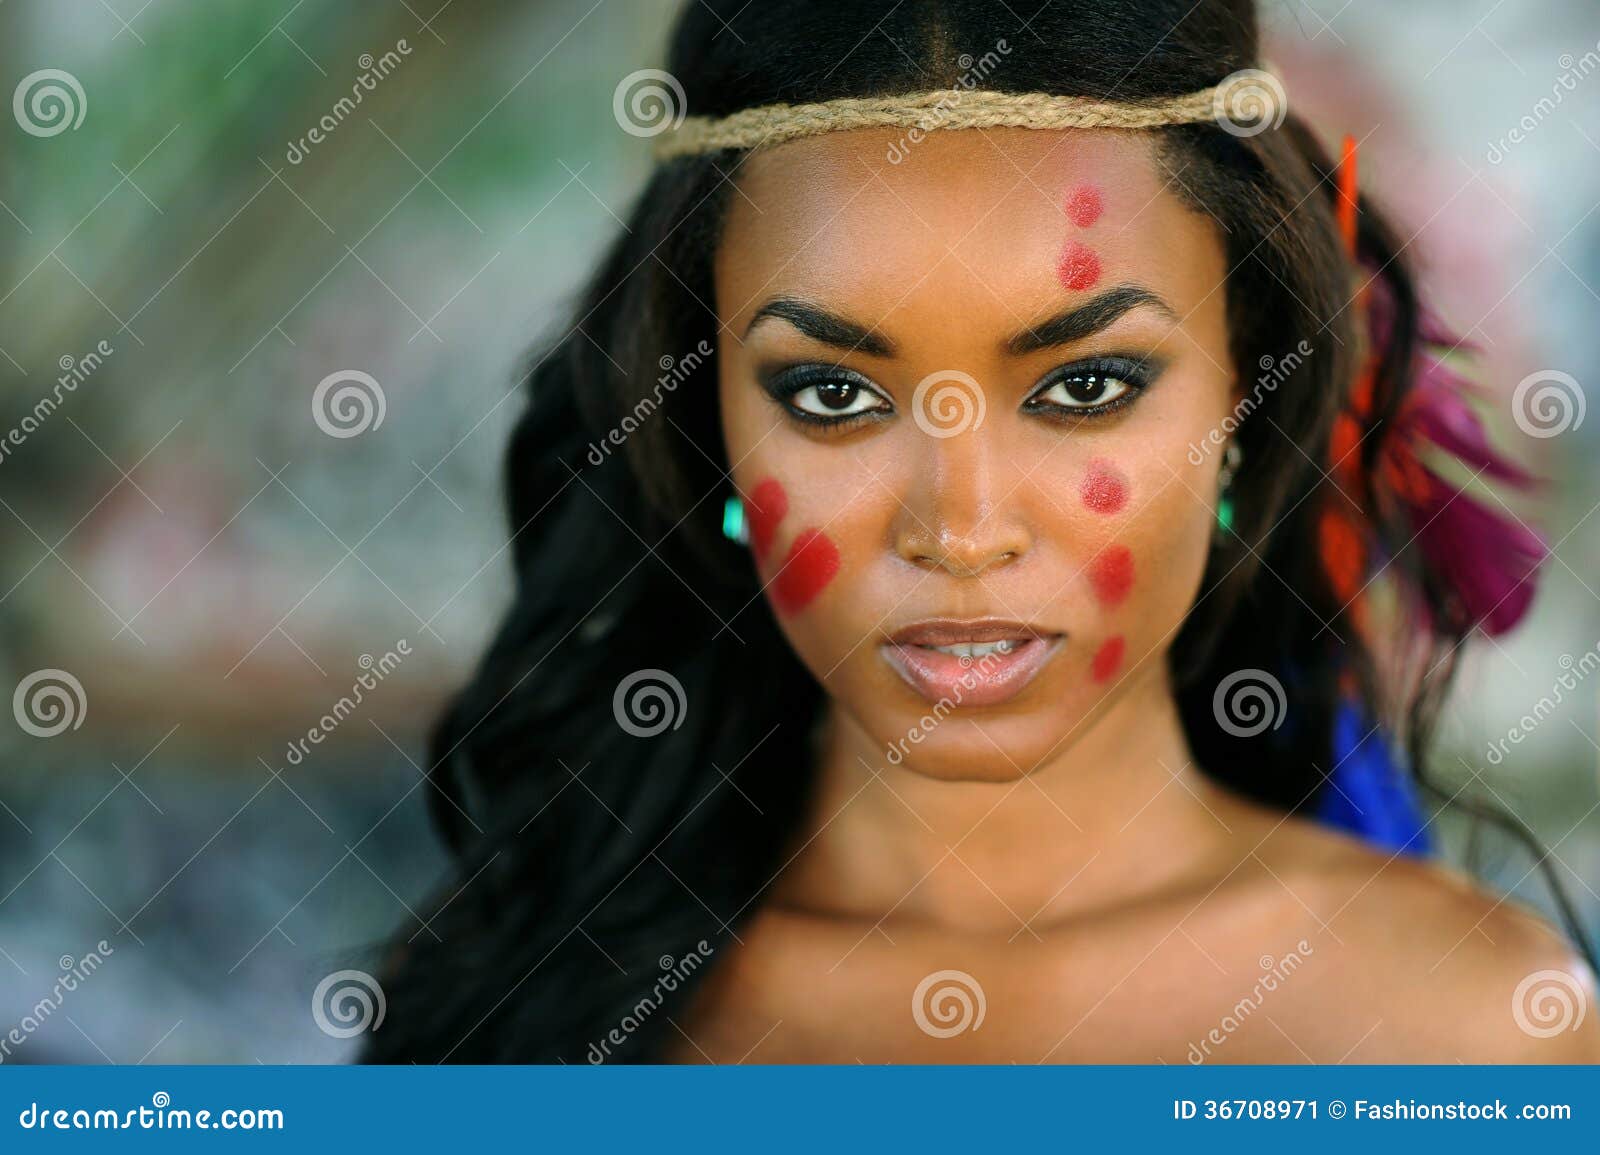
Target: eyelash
{"type": "Point", "coordinates": [1135, 372]}
{"type": "Point", "coordinates": [786, 384]}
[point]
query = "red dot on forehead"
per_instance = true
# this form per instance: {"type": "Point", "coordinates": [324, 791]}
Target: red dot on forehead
{"type": "Point", "coordinates": [1083, 205]}
{"type": "Point", "coordinates": [1104, 488]}
{"type": "Point", "coordinates": [1107, 659]}
{"type": "Point", "coordinates": [812, 562]}
{"type": "Point", "coordinates": [1078, 267]}
{"type": "Point", "coordinates": [765, 509]}
{"type": "Point", "coordinates": [1111, 574]}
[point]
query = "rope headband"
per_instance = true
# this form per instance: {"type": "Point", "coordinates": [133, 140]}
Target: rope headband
{"type": "Point", "coordinates": [1246, 103]}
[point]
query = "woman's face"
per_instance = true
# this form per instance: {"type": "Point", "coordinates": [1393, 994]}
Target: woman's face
{"type": "Point", "coordinates": [959, 396]}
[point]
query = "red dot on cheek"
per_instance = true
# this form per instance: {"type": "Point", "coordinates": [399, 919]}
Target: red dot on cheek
{"type": "Point", "coordinates": [1083, 205]}
{"type": "Point", "coordinates": [1078, 267]}
{"type": "Point", "coordinates": [812, 562]}
{"type": "Point", "coordinates": [1107, 659]}
{"type": "Point", "coordinates": [1104, 489]}
{"type": "Point", "coordinates": [765, 509]}
{"type": "Point", "coordinates": [1111, 574]}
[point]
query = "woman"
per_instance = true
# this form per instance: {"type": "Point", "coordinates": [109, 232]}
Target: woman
{"type": "Point", "coordinates": [948, 563]}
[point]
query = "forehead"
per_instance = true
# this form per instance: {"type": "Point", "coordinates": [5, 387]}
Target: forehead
{"type": "Point", "coordinates": [970, 224]}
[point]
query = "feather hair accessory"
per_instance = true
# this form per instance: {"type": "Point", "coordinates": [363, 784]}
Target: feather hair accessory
{"type": "Point", "coordinates": [1431, 461]}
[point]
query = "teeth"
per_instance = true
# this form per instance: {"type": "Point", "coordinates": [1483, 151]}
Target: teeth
{"type": "Point", "coordinates": [971, 650]}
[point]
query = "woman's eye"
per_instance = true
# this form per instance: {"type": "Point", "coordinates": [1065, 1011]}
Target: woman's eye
{"type": "Point", "coordinates": [1092, 388]}
{"type": "Point", "coordinates": [1088, 389]}
{"type": "Point", "coordinates": [837, 398]}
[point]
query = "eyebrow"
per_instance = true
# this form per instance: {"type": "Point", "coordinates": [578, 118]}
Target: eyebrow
{"type": "Point", "coordinates": [1087, 319]}
{"type": "Point", "coordinates": [820, 325]}
{"type": "Point", "coordinates": [1076, 324]}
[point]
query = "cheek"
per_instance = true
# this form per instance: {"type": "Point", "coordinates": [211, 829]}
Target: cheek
{"type": "Point", "coordinates": [812, 560]}
{"type": "Point", "coordinates": [1131, 599]}
{"type": "Point", "coordinates": [1108, 659]}
{"type": "Point", "coordinates": [1104, 488]}
{"type": "Point", "coordinates": [811, 563]}
{"type": "Point", "coordinates": [1145, 573]}
{"type": "Point", "coordinates": [1104, 491]}
{"type": "Point", "coordinates": [1111, 575]}
{"type": "Point", "coordinates": [765, 508]}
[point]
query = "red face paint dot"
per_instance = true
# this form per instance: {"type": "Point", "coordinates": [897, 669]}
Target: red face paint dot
{"type": "Point", "coordinates": [1107, 659]}
{"type": "Point", "coordinates": [1078, 267]}
{"type": "Point", "coordinates": [812, 562]}
{"type": "Point", "coordinates": [1104, 489]}
{"type": "Point", "coordinates": [1083, 205]}
{"type": "Point", "coordinates": [765, 509]}
{"type": "Point", "coordinates": [1111, 574]}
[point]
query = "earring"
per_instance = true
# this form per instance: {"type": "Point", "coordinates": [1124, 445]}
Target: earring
{"type": "Point", "coordinates": [734, 525]}
{"type": "Point", "coordinates": [1231, 458]}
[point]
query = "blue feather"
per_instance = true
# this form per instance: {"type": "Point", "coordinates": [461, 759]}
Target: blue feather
{"type": "Point", "coordinates": [1369, 793]}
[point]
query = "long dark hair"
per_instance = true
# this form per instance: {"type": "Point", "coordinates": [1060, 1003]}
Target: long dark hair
{"type": "Point", "coordinates": [592, 860]}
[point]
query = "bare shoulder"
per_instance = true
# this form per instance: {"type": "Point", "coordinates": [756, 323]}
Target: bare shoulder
{"type": "Point", "coordinates": [1292, 944]}
{"type": "Point", "coordinates": [1445, 970]}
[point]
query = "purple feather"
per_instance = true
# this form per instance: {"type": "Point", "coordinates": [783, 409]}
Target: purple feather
{"type": "Point", "coordinates": [1490, 560]}
{"type": "Point", "coordinates": [1437, 410]}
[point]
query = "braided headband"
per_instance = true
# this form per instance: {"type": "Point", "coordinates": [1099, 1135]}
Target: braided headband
{"type": "Point", "coordinates": [1245, 103]}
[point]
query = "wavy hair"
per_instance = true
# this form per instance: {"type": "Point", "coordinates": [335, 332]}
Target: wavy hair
{"type": "Point", "coordinates": [589, 859]}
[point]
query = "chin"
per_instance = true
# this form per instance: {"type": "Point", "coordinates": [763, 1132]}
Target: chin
{"type": "Point", "coordinates": [967, 747]}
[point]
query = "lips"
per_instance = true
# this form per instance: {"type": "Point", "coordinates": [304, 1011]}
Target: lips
{"type": "Point", "coordinates": [969, 662]}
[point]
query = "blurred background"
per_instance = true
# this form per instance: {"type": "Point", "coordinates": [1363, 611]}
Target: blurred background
{"type": "Point", "coordinates": [255, 386]}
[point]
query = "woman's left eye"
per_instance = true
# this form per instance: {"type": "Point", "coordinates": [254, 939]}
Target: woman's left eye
{"type": "Point", "coordinates": [837, 398]}
{"type": "Point", "coordinates": [1089, 389]}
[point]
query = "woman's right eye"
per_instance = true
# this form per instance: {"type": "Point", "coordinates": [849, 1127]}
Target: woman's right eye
{"type": "Point", "coordinates": [838, 398]}
{"type": "Point", "coordinates": [828, 395]}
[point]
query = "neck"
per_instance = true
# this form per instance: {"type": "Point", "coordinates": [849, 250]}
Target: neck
{"type": "Point", "coordinates": [1118, 808]}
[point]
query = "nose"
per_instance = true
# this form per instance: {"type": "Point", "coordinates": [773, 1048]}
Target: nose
{"type": "Point", "coordinates": [962, 510]}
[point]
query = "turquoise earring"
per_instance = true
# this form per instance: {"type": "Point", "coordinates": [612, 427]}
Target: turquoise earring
{"type": "Point", "coordinates": [1230, 467]}
{"type": "Point", "coordinates": [735, 527]}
